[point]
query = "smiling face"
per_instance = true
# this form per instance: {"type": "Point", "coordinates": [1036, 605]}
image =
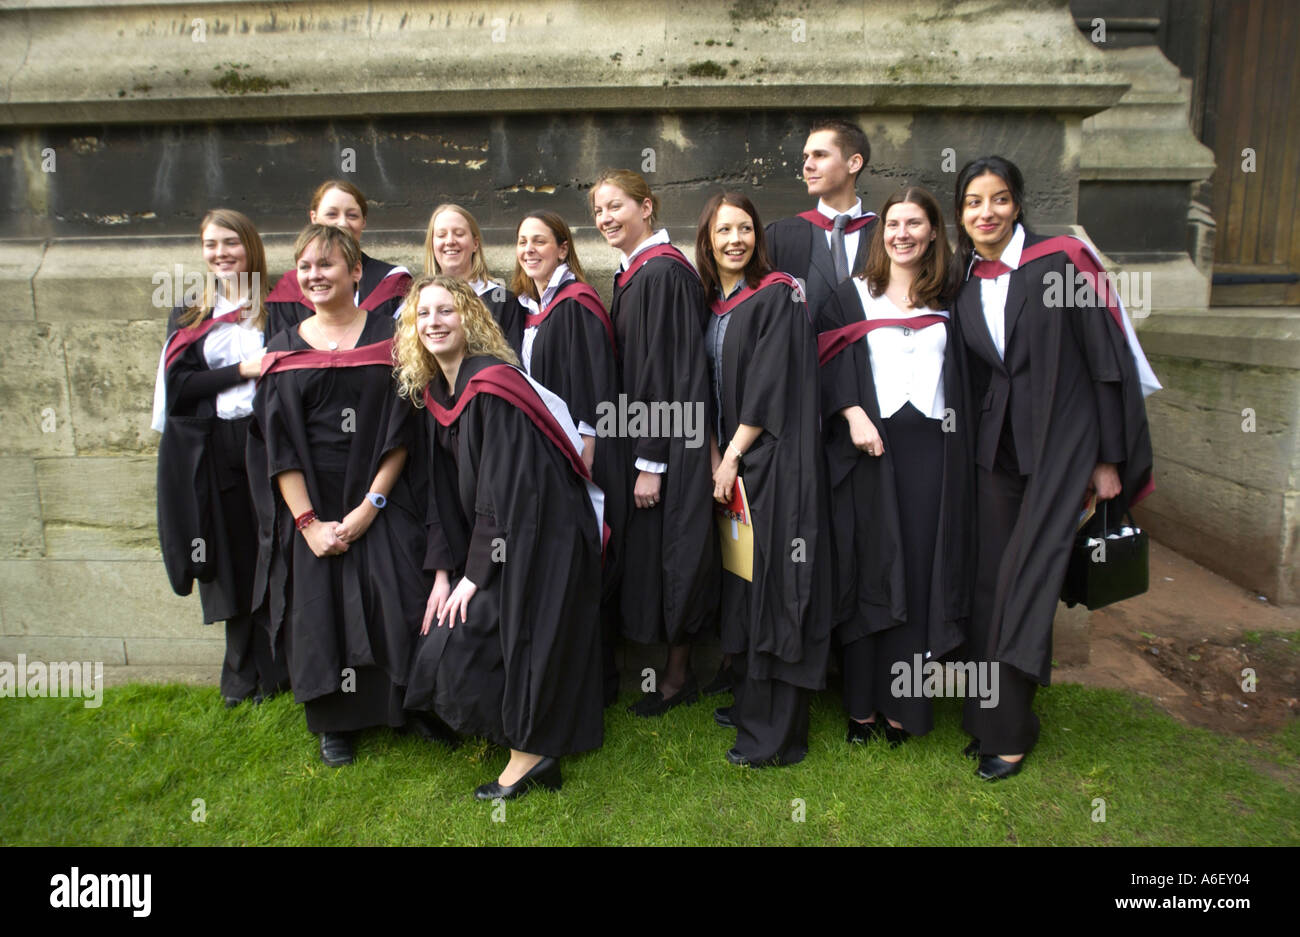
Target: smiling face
{"type": "Point", "coordinates": [624, 221]}
{"type": "Point", "coordinates": [223, 252]}
{"type": "Point", "coordinates": [908, 234]}
{"type": "Point", "coordinates": [825, 170]}
{"type": "Point", "coordinates": [454, 244]}
{"type": "Point", "coordinates": [988, 214]}
{"type": "Point", "coordinates": [325, 278]}
{"type": "Point", "coordinates": [538, 252]}
{"type": "Point", "coordinates": [733, 242]}
{"type": "Point", "coordinates": [341, 210]}
{"type": "Point", "coordinates": [438, 323]}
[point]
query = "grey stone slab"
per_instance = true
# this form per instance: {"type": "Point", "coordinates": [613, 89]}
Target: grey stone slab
{"type": "Point", "coordinates": [106, 650]}
{"type": "Point", "coordinates": [100, 508]}
{"type": "Point", "coordinates": [178, 652]}
{"type": "Point", "coordinates": [19, 262]}
{"type": "Point", "coordinates": [21, 535]}
{"type": "Point", "coordinates": [35, 415]}
{"type": "Point", "coordinates": [112, 367]}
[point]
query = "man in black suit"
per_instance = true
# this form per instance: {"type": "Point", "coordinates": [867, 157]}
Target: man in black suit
{"type": "Point", "coordinates": [824, 246]}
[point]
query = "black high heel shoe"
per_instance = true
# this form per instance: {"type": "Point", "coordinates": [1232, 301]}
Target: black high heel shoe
{"type": "Point", "coordinates": [894, 736]}
{"type": "Point", "coordinates": [863, 732]}
{"type": "Point", "coordinates": [546, 773]}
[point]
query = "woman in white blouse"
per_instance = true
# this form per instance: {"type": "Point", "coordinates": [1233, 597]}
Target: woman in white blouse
{"type": "Point", "coordinates": [202, 405]}
{"type": "Point", "coordinates": [897, 454]}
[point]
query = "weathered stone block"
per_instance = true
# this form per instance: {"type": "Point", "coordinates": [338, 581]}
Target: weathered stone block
{"type": "Point", "coordinates": [20, 510]}
{"type": "Point", "coordinates": [19, 262]}
{"type": "Point", "coordinates": [108, 651]}
{"type": "Point", "coordinates": [99, 508]}
{"type": "Point", "coordinates": [68, 287]}
{"type": "Point", "coordinates": [94, 598]}
{"type": "Point", "coordinates": [112, 367]}
{"type": "Point", "coordinates": [35, 416]}
{"type": "Point", "coordinates": [152, 652]}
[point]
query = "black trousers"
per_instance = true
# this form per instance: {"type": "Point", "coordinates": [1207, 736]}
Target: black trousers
{"type": "Point", "coordinates": [915, 445]}
{"type": "Point", "coordinates": [1010, 727]}
{"type": "Point", "coordinates": [771, 718]}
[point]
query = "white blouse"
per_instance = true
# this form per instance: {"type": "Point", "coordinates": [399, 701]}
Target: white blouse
{"type": "Point", "coordinates": [907, 363]}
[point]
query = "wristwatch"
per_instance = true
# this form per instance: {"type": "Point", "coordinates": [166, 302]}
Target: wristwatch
{"type": "Point", "coordinates": [376, 499]}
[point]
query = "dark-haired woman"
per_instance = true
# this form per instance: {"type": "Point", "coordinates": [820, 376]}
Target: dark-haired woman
{"type": "Point", "coordinates": [514, 541]}
{"type": "Point", "coordinates": [569, 348]}
{"type": "Point", "coordinates": [763, 351]}
{"type": "Point", "coordinates": [897, 454]}
{"type": "Point", "coordinates": [381, 287]}
{"type": "Point", "coordinates": [342, 530]}
{"type": "Point", "coordinates": [1059, 418]}
{"type": "Point", "coordinates": [659, 314]}
{"type": "Point", "coordinates": [202, 405]}
{"type": "Point", "coordinates": [453, 246]}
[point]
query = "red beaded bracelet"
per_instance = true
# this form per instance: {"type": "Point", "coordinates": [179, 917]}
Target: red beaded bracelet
{"type": "Point", "coordinates": [303, 520]}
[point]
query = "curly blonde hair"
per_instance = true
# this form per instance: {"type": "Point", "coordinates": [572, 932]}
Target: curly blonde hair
{"type": "Point", "coordinates": [414, 365]}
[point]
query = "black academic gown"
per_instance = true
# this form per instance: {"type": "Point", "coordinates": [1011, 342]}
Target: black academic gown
{"type": "Point", "coordinates": [573, 357]}
{"type": "Point", "coordinates": [1065, 397]}
{"type": "Point", "coordinates": [361, 609]}
{"type": "Point", "coordinates": [870, 583]}
{"type": "Point", "coordinates": [798, 247]}
{"type": "Point", "coordinates": [659, 313]}
{"type": "Point", "coordinates": [508, 313]}
{"type": "Point", "coordinates": [286, 306]}
{"type": "Point", "coordinates": [781, 621]}
{"type": "Point", "coordinates": [506, 509]}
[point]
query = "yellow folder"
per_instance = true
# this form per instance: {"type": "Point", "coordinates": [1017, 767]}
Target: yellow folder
{"type": "Point", "coordinates": [736, 533]}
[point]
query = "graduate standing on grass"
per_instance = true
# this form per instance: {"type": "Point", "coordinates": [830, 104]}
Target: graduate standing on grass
{"type": "Point", "coordinates": [381, 286]}
{"type": "Point", "coordinates": [763, 352]}
{"type": "Point", "coordinates": [511, 631]}
{"type": "Point", "coordinates": [822, 246]}
{"type": "Point", "coordinates": [203, 404]}
{"type": "Point", "coordinates": [1058, 395]}
{"type": "Point", "coordinates": [659, 314]}
{"type": "Point", "coordinates": [453, 246]}
{"type": "Point", "coordinates": [898, 454]}
{"type": "Point", "coordinates": [568, 347]}
{"type": "Point", "coordinates": [341, 522]}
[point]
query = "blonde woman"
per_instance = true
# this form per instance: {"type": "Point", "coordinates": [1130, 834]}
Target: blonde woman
{"type": "Point", "coordinates": [510, 646]}
{"type": "Point", "coordinates": [453, 246]}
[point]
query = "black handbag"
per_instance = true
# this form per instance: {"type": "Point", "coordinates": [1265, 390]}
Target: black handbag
{"type": "Point", "coordinates": [1108, 566]}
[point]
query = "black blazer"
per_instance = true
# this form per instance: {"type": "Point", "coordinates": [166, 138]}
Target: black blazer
{"type": "Point", "coordinates": [798, 247]}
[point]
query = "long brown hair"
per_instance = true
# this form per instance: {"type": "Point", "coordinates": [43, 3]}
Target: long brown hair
{"type": "Point", "coordinates": [478, 266]}
{"type": "Point", "coordinates": [414, 365]}
{"type": "Point", "coordinates": [930, 286]}
{"type": "Point", "coordinates": [521, 284]}
{"type": "Point", "coordinates": [759, 265]}
{"type": "Point", "coordinates": [255, 255]}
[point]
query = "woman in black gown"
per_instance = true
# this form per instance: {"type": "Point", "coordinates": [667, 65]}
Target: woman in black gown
{"type": "Point", "coordinates": [512, 652]}
{"type": "Point", "coordinates": [203, 405]}
{"type": "Point", "coordinates": [897, 456]}
{"type": "Point", "coordinates": [342, 529]}
{"type": "Point", "coordinates": [659, 314]}
{"type": "Point", "coordinates": [763, 352]}
{"type": "Point", "coordinates": [1060, 417]}
{"type": "Point", "coordinates": [453, 246]}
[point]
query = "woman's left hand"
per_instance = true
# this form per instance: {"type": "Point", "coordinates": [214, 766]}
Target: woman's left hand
{"type": "Point", "coordinates": [356, 522]}
{"type": "Point", "coordinates": [724, 478]}
{"type": "Point", "coordinates": [459, 602]}
{"type": "Point", "coordinates": [1104, 481]}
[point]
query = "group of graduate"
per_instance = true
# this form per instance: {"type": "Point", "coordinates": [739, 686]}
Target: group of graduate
{"type": "Point", "coordinates": [394, 492]}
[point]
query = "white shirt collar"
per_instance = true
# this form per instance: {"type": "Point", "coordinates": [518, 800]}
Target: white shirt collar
{"type": "Point", "coordinates": [659, 237]}
{"type": "Point", "coordinates": [854, 212]}
{"type": "Point", "coordinates": [481, 286]}
{"type": "Point", "coordinates": [1010, 254]}
{"type": "Point", "coordinates": [561, 275]}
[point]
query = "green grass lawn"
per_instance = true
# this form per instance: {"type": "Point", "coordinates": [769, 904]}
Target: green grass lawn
{"type": "Point", "coordinates": [130, 771]}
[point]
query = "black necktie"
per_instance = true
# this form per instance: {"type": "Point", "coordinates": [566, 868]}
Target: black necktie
{"type": "Point", "coordinates": [838, 253]}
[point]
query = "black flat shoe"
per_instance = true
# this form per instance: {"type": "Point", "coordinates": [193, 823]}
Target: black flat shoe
{"type": "Point", "coordinates": [430, 728]}
{"type": "Point", "coordinates": [231, 701]}
{"type": "Point", "coordinates": [895, 737]}
{"type": "Point", "coordinates": [721, 683]}
{"type": "Point", "coordinates": [972, 750]}
{"type": "Point", "coordinates": [336, 749]}
{"type": "Point", "coordinates": [654, 704]}
{"type": "Point", "coordinates": [862, 732]}
{"type": "Point", "coordinates": [993, 768]}
{"type": "Point", "coordinates": [736, 758]}
{"type": "Point", "coordinates": [722, 716]}
{"type": "Point", "coordinates": [546, 773]}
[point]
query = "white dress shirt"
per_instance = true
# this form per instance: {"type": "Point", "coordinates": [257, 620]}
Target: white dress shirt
{"type": "Point", "coordinates": [906, 363]}
{"type": "Point", "coordinates": [850, 238]}
{"type": "Point", "coordinates": [993, 291]}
